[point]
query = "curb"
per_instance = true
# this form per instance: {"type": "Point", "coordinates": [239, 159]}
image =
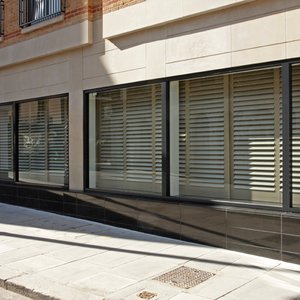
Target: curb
{"type": "Point", "coordinates": [23, 291]}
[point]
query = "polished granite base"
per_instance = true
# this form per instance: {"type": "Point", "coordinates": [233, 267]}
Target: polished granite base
{"type": "Point", "coordinates": [268, 233]}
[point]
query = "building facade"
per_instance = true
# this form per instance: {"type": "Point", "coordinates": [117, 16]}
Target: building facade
{"type": "Point", "coordinates": [175, 117]}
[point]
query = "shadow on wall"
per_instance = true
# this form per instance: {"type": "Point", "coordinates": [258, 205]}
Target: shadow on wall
{"type": "Point", "coordinates": [205, 22]}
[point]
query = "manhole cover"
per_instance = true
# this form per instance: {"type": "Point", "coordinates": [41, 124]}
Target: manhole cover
{"type": "Point", "coordinates": [184, 277]}
{"type": "Point", "coordinates": [146, 295]}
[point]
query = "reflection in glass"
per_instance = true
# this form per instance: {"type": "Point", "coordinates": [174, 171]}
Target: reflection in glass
{"type": "Point", "coordinates": [6, 136]}
{"type": "Point", "coordinates": [296, 136]}
{"type": "Point", "coordinates": [43, 141]}
{"type": "Point", "coordinates": [125, 139]}
{"type": "Point", "coordinates": [227, 130]}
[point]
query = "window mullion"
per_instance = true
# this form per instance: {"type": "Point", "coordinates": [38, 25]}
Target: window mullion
{"type": "Point", "coordinates": [286, 133]}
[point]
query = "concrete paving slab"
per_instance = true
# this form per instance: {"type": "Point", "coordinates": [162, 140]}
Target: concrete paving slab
{"type": "Point", "coordinates": [73, 271]}
{"type": "Point", "coordinates": [185, 296]}
{"type": "Point", "coordinates": [217, 287]}
{"type": "Point", "coordinates": [35, 264]}
{"type": "Point", "coordinates": [103, 283]}
{"type": "Point", "coordinates": [161, 290]}
{"type": "Point", "coordinates": [73, 253]}
{"type": "Point", "coordinates": [145, 267]}
{"type": "Point", "coordinates": [112, 259]}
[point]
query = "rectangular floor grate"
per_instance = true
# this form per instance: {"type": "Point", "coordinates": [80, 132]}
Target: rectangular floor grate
{"type": "Point", "coordinates": [184, 277]}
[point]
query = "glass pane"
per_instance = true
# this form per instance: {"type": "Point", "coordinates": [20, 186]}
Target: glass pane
{"type": "Point", "coordinates": [125, 139]}
{"type": "Point", "coordinates": [296, 135]}
{"type": "Point", "coordinates": [227, 132]}
{"type": "Point", "coordinates": [43, 141]}
{"type": "Point", "coordinates": [6, 135]}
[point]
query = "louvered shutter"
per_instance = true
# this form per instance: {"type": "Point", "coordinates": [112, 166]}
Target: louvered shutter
{"type": "Point", "coordinates": [143, 134]}
{"type": "Point", "coordinates": [43, 141]}
{"type": "Point", "coordinates": [296, 135]}
{"type": "Point", "coordinates": [32, 142]}
{"type": "Point", "coordinates": [110, 153]}
{"type": "Point", "coordinates": [128, 126]}
{"type": "Point", "coordinates": [255, 137]}
{"type": "Point", "coordinates": [58, 136]}
{"type": "Point", "coordinates": [201, 144]}
{"type": "Point", "coordinates": [6, 142]}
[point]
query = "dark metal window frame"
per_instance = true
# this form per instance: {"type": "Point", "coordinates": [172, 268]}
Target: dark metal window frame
{"type": "Point", "coordinates": [286, 205]}
{"type": "Point", "coordinates": [15, 109]}
{"type": "Point", "coordinates": [26, 12]}
{"type": "Point", "coordinates": [1, 18]}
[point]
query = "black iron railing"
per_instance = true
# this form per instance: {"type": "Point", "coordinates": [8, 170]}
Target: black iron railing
{"type": "Point", "coordinates": [36, 11]}
{"type": "Point", "coordinates": [1, 18]}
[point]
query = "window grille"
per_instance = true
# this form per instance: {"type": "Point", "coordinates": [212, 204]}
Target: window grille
{"type": "Point", "coordinates": [37, 11]}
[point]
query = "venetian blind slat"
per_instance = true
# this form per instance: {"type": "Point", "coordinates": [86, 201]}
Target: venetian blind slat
{"type": "Point", "coordinates": [253, 131]}
{"type": "Point", "coordinates": [201, 128]}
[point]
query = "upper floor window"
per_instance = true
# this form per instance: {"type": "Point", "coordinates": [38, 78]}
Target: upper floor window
{"type": "Point", "coordinates": [1, 18]}
{"type": "Point", "coordinates": [36, 11]}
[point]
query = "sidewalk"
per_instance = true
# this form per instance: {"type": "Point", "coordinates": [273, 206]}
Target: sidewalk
{"type": "Point", "coordinates": [48, 256]}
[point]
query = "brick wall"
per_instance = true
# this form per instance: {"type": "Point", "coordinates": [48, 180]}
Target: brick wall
{"type": "Point", "coordinates": [112, 5]}
{"type": "Point", "coordinates": [76, 11]}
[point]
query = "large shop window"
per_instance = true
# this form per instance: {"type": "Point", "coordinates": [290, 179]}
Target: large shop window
{"type": "Point", "coordinates": [6, 142]}
{"type": "Point", "coordinates": [225, 137]}
{"type": "Point", "coordinates": [43, 141]}
{"type": "Point", "coordinates": [125, 139]}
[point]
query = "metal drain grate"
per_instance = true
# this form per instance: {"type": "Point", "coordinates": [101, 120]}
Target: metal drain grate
{"type": "Point", "coordinates": [184, 277]}
{"type": "Point", "coordinates": [146, 295]}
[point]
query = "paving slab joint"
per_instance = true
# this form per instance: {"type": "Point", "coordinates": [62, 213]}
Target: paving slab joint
{"type": "Point", "coordinates": [22, 290]}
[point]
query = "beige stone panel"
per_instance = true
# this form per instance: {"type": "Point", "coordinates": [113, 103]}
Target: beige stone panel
{"type": "Point", "coordinates": [208, 63]}
{"type": "Point", "coordinates": [99, 48]}
{"type": "Point", "coordinates": [114, 79]}
{"type": "Point", "coordinates": [76, 122]}
{"type": "Point", "coordinates": [156, 13]}
{"type": "Point", "coordinates": [259, 55]}
{"type": "Point", "coordinates": [34, 64]}
{"type": "Point", "coordinates": [293, 49]}
{"type": "Point", "coordinates": [191, 6]}
{"type": "Point", "coordinates": [55, 74]}
{"type": "Point", "coordinates": [10, 83]}
{"type": "Point", "coordinates": [198, 44]}
{"type": "Point", "coordinates": [259, 32]}
{"type": "Point", "coordinates": [114, 61]}
{"type": "Point", "coordinates": [293, 25]}
{"type": "Point", "coordinates": [67, 38]}
{"type": "Point", "coordinates": [33, 78]}
{"type": "Point", "coordinates": [17, 95]}
{"type": "Point", "coordinates": [156, 59]}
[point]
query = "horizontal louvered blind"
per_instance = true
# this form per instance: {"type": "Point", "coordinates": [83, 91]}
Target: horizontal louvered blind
{"type": "Point", "coordinates": [110, 160]}
{"type": "Point", "coordinates": [43, 141]}
{"type": "Point", "coordinates": [32, 141]}
{"type": "Point", "coordinates": [201, 128]}
{"type": "Point", "coordinates": [143, 121]}
{"type": "Point", "coordinates": [6, 142]}
{"type": "Point", "coordinates": [58, 136]}
{"type": "Point", "coordinates": [128, 129]}
{"type": "Point", "coordinates": [253, 131]}
{"type": "Point", "coordinates": [296, 130]}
